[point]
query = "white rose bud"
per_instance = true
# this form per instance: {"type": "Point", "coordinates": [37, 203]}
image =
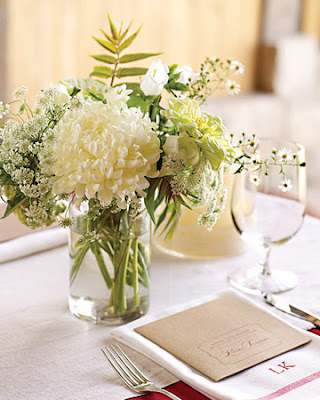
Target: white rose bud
{"type": "Point", "coordinates": [157, 76]}
{"type": "Point", "coordinates": [184, 146]}
{"type": "Point", "coordinates": [62, 97]}
{"type": "Point", "coordinates": [171, 145]}
{"type": "Point", "coordinates": [186, 75]}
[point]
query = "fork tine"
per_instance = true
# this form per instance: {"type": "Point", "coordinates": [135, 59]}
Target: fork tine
{"type": "Point", "coordinates": [117, 369]}
{"type": "Point", "coordinates": [130, 364]}
{"type": "Point", "coordinates": [123, 367]}
{"type": "Point", "coordinates": [125, 360]}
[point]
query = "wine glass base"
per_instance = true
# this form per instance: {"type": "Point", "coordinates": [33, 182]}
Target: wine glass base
{"type": "Point", "coordinates": [251, 280]}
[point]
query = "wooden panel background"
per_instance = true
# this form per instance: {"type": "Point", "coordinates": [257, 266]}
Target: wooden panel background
{"type": "Point", "coordinates": [3, 47]}
{"type": "Point", "coordinates": [311, 17]}
{"type": "Point", "coordinates": [49, 40]}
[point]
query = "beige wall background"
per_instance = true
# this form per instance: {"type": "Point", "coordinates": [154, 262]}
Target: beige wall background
{"type": "Point", "coordinates": [49, 40]}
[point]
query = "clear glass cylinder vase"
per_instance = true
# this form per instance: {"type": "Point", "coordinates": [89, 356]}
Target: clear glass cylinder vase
{"type": "Point", "coordinates": [109, 266]}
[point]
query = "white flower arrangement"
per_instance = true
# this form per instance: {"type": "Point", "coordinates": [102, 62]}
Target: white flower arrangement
{"type": "Point", "coordinates": [114, 147]}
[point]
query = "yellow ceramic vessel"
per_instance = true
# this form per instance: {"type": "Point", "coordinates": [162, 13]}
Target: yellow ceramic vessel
{"type": "Point", "coordinates": [193, 241]}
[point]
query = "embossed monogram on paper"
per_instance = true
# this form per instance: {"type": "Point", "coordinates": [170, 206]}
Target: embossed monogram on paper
{"type": "Point", "coordinates": [240, 344]}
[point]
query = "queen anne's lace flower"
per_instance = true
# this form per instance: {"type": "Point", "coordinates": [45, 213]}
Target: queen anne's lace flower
{"type": "Point", "coordinates": [106, 150]}
{"type": "Point", "coordinates": [4, 109]}
{"type": "Point", "coordinates": [20, 92]}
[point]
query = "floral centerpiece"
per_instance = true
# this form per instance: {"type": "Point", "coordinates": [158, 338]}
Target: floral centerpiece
{"type": "Point", "coordinates": [101, 157]}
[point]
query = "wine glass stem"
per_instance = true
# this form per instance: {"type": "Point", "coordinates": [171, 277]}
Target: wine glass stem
{"type": "Point", "coordinates": [265, 263]}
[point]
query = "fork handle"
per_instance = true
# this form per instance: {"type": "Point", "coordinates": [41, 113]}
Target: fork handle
{"type": "Point", "coordinates": [168, 394]}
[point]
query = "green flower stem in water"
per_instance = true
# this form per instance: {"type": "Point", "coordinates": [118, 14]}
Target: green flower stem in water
{"type": "Point", "coordinates": [135, 282]}
{"type": "Point", "coordinates": [102, 265]}
{"type": "Point", "coordinates": [142, 265]}
{"type": "Point", "coordinates": [119, 252]}
{"type": "Point", "coordinates": [106, 246]}
{"type": "Point", "coordinates": [121, 264]}
{"type": "Point", "coordinates": [78, 258]}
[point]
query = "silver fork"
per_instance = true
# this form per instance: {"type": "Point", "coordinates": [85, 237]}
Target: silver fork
{"type": "Point", "coordinates": [130, 374]}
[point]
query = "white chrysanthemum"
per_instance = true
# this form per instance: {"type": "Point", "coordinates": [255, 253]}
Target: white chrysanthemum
{"type": "Point", "coordinates": [116, 96]}
{"type": "Point", "coordinates": [107, 150]}
{"type": "Point", "coordinates": [85, 85]}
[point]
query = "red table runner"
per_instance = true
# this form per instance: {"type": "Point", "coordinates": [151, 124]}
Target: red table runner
{"type": "Point", "coordinates": [184, 391]}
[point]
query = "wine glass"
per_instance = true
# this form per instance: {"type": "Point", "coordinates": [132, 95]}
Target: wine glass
{"type": "Point", "coordinates": [268, 207]}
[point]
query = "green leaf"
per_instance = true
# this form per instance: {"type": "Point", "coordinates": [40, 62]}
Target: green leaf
{"type": "Point", "coordinates": [5, 179]}
{"type": "Point", "coordinates": [180, 199]}
{"type": "Point", "coordinates": [75, 90]}
{"type": "Point", "coordinates": [130, 39]}
{"type": "Point", "coordinates": [192, 195]}
{"type": "Point", "coordinates": [102, 72]}
{"type": "Point", "coordinates": [125, 32]}
{"type": "Point", "coordinates": [239, 170]}
{"type": "Point", "coordinates": [120, 30]}
{"type": "Point", "coordinates": [137, 101]}
{"type": "Point", "coordinates": [131, 72]}
{"type": "Point", "coordinates": [136, 56]}
{"type": "Point", "coordinates": [98, 80]}
{"type": "Point", "coordinates": [108, 37]}
{"type": "Point", "coordinates": [130, 85]}
{"type": "Point", "coordinates": [104, 58]}
{"type": "Point", "coordinates": [172, 69]}
{"type": "Point", "coordinates": [98, 98]}
{"type": "Point", "coordinates": [161, 194]}
{"type": "Point", "coordinates": [173, 223]}
{"type": "Point", "coordinates": [149, 200]}
{"type": "Point", "coordinates": [162, 217]}
{"type": "Point", "coordinates": [177, 86]}
{"type": "Point", "coordinates": [13, 205]}
{"type": "Point", "coordinates": [174, 208]}
{"type": "Point", "coordinates": [22, 108]}
{"type": "Point", "coordinates": [113, 28]}
{"type": "Point", "coordinates": [134, 86]}
{"type": "Point", "coordinates": [106, 45]}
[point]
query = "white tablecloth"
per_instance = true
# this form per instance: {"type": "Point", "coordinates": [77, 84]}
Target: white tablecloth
{"type": "Point", "coordinates": [46, 354]}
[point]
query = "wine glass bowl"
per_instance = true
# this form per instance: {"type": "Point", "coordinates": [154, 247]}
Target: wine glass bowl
{"type": "Point", "coordinates": [268, 207]}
